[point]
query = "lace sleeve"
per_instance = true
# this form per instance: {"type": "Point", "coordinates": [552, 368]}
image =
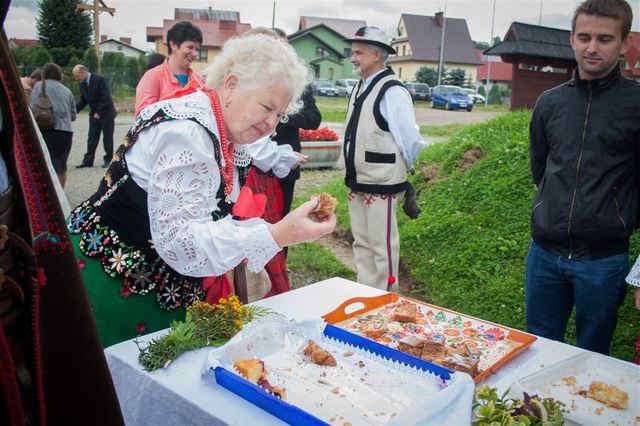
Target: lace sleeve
{"type": "Point", "coordinates": [268, 155]}
{"type": "Point", "coordinates": [634, 274]}
{"type": "Point", "coordinates": [181, 196]}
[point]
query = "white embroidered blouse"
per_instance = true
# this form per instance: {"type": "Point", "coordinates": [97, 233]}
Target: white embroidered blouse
{"type": "Point", "coordinates": [174, 162]}
{"type": "Point", "coordinates": [634, 274]}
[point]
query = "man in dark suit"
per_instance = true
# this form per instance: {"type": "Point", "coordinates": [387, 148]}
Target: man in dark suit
{"type": "Point", "coordinates": [94, 90]}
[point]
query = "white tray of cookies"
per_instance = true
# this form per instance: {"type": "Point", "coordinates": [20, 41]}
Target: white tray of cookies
{"type": "Point", "coordinates": [596, 389]}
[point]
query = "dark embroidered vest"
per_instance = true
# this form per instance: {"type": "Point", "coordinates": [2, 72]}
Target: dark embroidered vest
{"type": "Point", "coordinates": [114, 227]}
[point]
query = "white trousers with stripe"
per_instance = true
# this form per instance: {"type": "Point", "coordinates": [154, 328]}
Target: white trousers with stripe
{"type": "Point", "coordinates": [376, 243]}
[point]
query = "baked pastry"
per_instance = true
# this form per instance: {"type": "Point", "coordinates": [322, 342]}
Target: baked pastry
{"type": "Point", "coordinates": [318, 355]}
{"type": "Point", "coordinates": [412, 345]}
{"type": "Point", "coordinates": [251, 369]}
{"type": "Point", "coordinates": [373, 326]}
{"type": "Point", "coordinates": [463, 364]}
{"type": "Point", "coordinates": [326, 205]}
{"type": "Point", "coordinates": [434, 348]}
{"type": "Point", "coordinates": [406, 312]}
{"type": "Point", "coordinates": [609, 395]}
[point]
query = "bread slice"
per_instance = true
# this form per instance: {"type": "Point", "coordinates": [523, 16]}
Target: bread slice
{"type": "Point", "coordinates": [609, 395]}
{"type": "Point", "coordinates": [318, 355]}
{"type": "Point", "coordinates": [406, 312]}
{"type": "Point", "coordinates": [251, 369]}
{"type": "Point", "coordinates": [412, 345]}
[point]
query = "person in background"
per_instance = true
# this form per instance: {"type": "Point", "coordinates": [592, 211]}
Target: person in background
{"type": "Point", "coordinates": [308, 117]}
{"type": "Point", "coordinates": [164, 216]}
{"type": "Point", "coordinates": [94, 91]}
{"type": "Point", "coordinates": [155, 59]}
{"type": "Point", "coordinates": [184, 40]}
{"type": "Point", "coordinates": [585, 161]}
{"type": "Point", "coordinates": [382, 141]}
{"type": "Point", "coordinates": [29, 82]}
{"type": "Point", "coordinates": [58, 139]}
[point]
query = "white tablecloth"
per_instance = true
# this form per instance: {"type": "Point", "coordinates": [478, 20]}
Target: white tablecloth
{"type": "Point", "coordinates": [179, 396]}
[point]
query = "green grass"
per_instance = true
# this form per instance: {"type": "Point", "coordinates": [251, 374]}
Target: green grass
{"type": "Point", "coordinates": [466, 251]}
{"type": "Point", "coordinates": [445, 131]}
{"type": "Point", "coordinates": [312, 262]}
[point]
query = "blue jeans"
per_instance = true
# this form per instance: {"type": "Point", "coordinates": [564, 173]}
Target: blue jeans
{"type": "Point", "coordinates": [554, 284]}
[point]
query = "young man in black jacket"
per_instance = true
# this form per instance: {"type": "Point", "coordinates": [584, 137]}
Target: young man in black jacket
{"type": "Point", "coordinates": [585, 160]}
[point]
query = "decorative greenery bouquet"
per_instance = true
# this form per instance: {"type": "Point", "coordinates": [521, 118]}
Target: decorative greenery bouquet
{"type": "Point", "coordinates": [322, 134]}
{"type": "Point", "coordinates": [490, 409]}
{"type": "Point", "coordinates": [204, 325]}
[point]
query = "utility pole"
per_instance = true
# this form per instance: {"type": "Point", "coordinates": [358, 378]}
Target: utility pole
{"type": "Point", "coordinates": [540, 14]}
{"type": "Point", "coordinates": [97, 7]}
{"type": "Point", "coordinates": [441, 60]}
{"type": "Point", "coordinates": [273, 15]}
{"type": "Point", "coordinates": [493, 17]}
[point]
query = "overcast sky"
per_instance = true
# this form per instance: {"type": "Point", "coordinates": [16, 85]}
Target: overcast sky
{"type": "Point", "coordinates": [133, 16]}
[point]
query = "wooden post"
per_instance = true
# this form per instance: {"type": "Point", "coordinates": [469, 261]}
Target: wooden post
{"type": "Point", "coordinates": [97, 7]}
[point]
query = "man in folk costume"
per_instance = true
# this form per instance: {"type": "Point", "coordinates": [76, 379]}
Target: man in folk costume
{"type": "Point", "coordinates": [382, 141]}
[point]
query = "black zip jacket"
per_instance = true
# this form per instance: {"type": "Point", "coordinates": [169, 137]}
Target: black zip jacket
{"type": "Point", "coordinates": [585, 159]}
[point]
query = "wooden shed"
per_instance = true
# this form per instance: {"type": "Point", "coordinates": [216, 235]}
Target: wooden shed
{"type": "Point", "coordinates": [541, 58]}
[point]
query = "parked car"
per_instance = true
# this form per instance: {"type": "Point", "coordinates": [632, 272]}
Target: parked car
{"type": "Point", "coordinates": [476, 97]}
{"type": "Point", "coordinates": [450, 97]}
{"type": "Point", "coordinates": [323, 88]}
{"type": "Point", "coordinates": [419, 91]}
{"type": "Point", "coordinates": [345, 85]}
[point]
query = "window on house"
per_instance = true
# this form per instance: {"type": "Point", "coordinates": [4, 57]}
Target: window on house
{"type": "Point", "coordinates": [400, 72]}
{"type": "Point", "coordinates": [637, 65]}
{"type": "Point", "coordinates": [321, 51]}
{"type": "Point", "coordinates": [404, 50]}
{"type": "Point", "coordinates": [347, 52]}
{"type": "Point", "coordinates": [331, 74]}
{"type": "Point", "coordinates": [119, 47]}
{"type": "Point", "coordinates": [203, 55]}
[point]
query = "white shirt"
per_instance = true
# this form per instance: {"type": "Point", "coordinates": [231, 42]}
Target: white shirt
{"type": "Point", "coordinates": [174, 162]}
{"type": "Point", "coordinates": [396, 107]}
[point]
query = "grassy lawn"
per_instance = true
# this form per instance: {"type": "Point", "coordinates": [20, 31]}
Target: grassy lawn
{"type": "Point", "coordinates": [445, 131]}
{"type": "Point", "coordinates": [467, 250]}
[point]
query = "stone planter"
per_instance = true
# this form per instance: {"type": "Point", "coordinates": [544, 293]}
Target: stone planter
{"type": "Point", "coordinates": [321, 153]}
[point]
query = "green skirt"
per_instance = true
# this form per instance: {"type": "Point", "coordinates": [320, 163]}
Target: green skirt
{"type": "Point", "coordinates": [120, 317]}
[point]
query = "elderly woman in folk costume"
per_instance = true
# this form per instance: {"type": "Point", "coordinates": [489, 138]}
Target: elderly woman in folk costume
{"type": "Point", "coordinates": [162, 216]}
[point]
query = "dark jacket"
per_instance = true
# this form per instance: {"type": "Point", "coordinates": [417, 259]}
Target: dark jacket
{"type": "Point", "coordinates": [585, 159]}
{"type": "Point", "coordinates": [98, 97]}
{"type": "Point", "coordinates": [287, 133]}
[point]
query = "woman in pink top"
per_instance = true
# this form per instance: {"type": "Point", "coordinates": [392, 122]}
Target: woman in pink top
{"type": "Point", "coordinates": [184, 40]}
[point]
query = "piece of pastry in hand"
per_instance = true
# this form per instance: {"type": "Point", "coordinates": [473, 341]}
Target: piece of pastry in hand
{"type": "Point", "coordinates": [318, 355]}
{"type": "Point", "coordinates": [373, 326]}
{"type": "Point", "coordinates": [251, 369]}
{"type": "Point", "coordinates": [326, 205]}
{"type": "Point", "coordinates": [406, 312]}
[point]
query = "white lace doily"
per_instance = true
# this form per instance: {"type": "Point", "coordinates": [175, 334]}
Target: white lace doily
{"type": "Point", "coordinates": [634, 274]}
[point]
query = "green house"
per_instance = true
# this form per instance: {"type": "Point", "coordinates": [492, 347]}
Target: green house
{"type": "Point", "coordinates": [321, 46]}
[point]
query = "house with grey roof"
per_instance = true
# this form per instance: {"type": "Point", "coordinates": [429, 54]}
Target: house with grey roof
{"type": "Point", "coordinates": [541, 58]}
{"type": "Point", "coordinates": [418, 40]}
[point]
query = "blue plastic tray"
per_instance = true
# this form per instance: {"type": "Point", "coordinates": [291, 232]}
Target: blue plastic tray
{"type": "Point", "coordinates": [294, 415]}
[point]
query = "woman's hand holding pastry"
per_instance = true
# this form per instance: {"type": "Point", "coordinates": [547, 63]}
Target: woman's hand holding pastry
{"type": "Point", "coordinates": [298, 227]}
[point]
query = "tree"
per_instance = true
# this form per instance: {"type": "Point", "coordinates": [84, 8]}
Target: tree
{"type": "Point", "coordinates": [38, 56]}
{"type": "Point", "coordinates": [482, 91]}
{"type": "Point", "coordinates": [455, 77]}
{"type": "Point", "coordinates": [427, 75]}
{"type": "Point", "coordinates": [91, 60]}
{"type": "Point", "coordinates": [481, 45]}
{"type": "Point", "coordinates": [494, 95]}
{"type": "Point", "coordinates": [133, 71]}
{"type": "Point", "coordinates": [59, 24]}
{"type": "Point", "coordinates": [64, 56]}
{"type": "Point", "coordinates": [496, 40]}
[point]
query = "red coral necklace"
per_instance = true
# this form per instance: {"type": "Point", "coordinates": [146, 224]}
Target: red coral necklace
{"type": "Point", "coordinates": [227, 147]}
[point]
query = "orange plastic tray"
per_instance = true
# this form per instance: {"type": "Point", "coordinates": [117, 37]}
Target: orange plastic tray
{"type": "Point", "coordinates": [339, 316]}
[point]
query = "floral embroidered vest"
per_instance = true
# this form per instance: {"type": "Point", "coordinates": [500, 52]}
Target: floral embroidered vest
{"type": "Point", "coordinates": [114, 226]}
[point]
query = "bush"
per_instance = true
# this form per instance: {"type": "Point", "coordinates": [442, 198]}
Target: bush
{"type": "Point", "coordinates": [65, 56]}
{"type": "Point", "coordinates": [494, 95]}
{"type": "Point", "coordinates": [482, 91]}
{"type": "Point", "coordinates": [38, 56]}
{"type": "Point", "coordinates": [91, 60]}
{"type": "Point", "coordinates": [427, 75]}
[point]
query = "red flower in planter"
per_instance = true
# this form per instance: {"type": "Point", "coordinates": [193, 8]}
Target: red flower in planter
{"type": "Point", "coordinates": [322, 134]}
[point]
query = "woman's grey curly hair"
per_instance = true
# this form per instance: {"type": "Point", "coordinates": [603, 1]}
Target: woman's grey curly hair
{"type": "Point", "coordinates": [260, 61]}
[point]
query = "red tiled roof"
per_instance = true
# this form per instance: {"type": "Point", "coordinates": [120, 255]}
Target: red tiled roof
{"type": "Point", "coordinates": [633, 56]}
{"type": "Point", "coordinates": [153, 33]}
{"type": "Point", "coordinates": [25, 41]}
{"type": "Point", "coordinates": [500, 71]}
{"type": "Point", "coordinates": [214, 33]}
